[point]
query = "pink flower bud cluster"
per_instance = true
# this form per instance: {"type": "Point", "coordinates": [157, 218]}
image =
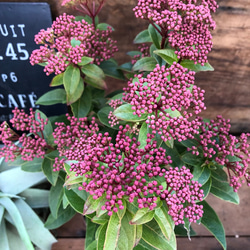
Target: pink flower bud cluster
{"type": "Point", "coordinates": [28, 146]}
{"type": "Point", "coordinates": [123, 169]}
{"type": "Point", "coordinates": [144, 50]}
{"type": "Point", "coordinates": [225, 149]}
{"type": "Point", "coordinates": [170, 98]}
{"type": "Point", "coordinates": [67, 41]}
{"type": "Point", "coordinates": [185, 24]}
{"type": "Point", "coordinates": [70, 138]}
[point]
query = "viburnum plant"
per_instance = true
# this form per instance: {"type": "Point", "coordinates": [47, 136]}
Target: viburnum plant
{"type": "Point", "coordinates": [137, 163]}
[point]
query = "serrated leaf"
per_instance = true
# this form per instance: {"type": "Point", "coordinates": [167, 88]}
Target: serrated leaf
{"type": "Point", "coordinates": [125, 113]}
{"type": "Point", "coordinates": [213, 224]}
{"type": "Point", "coordinates": [142, 216]}
{"type": "Point", "coordinates": [82, 106]}
{"type": "Point", "coordinates": [145, 64]}
{"type": "Point", "coordinates": [196, 67]}
{"type": "Point", "coordinates": [52, 97]}
{"type": "Point", "coordinates": [57, 80]}
{"type": "Point", "coordinates": [143, 37]}
{"type": "Point", "coordinates": [167, 55]}
{"type": "Point", "coordinates": [224, 191]}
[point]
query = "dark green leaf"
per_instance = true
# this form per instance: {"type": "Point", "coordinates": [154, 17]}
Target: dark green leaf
{"type": "Point", "coordinates": [96, 82]}
{"type": "Point", "coordinates": [143, 37]}
{"type": "Point", "coordinates": [201, 174]}
{"type": "Point", "coordinates": [101, 236]}
{"type": "Point", "coordinates": [125, 113]}
{"type": "Point", "coordinates": [206, 188]}
{"type": "Point", "coordinates": [192, 160]}
{"type": "Point", "coordinates": [82, 106]}
{"type": "Point", "coordinates": [56, 195]}
{"type": "Point", "coordinates": [224, 191]}
{"type": "Point", "coordinates": [219, 174]}
{"type": "Point", "coordinates": [75, 201]}
{"type": "Point", "coordinates": [64, 215]}
{"type": "Point", "coordinates": [127, 67]}
{"type": "Point", "coordinates": [90, 232]}
{"type": "Point", "coordinates": [110, 68]}
{"type": "Point", "coordinates": [155, 36]}
{"type": "Point", "coordinates": [103, 117]}
{"type": "Point", "coordinates": [93, 71]}
{"type": "Point", "coordinates": [145, 64]}
{"type": "Point", "coordinates": [196, 67]}
{"type": "Point", "coordinates": [48, 170]}
{"type": "Point", "coordinates": [52, 97]}
{"type": "Point", "coordinates": [213, 224]}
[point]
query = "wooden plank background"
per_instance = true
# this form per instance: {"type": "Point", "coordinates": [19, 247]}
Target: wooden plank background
{"type": "Point", "coordinates": [227, 93]}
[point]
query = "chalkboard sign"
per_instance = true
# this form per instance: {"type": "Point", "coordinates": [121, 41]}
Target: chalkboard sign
{"type": "Point", "coordinates": [21, 84]}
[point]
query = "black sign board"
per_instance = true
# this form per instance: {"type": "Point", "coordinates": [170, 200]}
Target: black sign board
{"type": "Point", "coordinates": [21, 84]}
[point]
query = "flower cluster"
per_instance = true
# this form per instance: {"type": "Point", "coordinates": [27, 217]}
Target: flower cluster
{"type": "Point", "coordinates": [185, 24]}
{"type": "Point", "coordinates": [67, 41]}
{"type": "Point", "coordinates": [225, 149]}
{"type": "Point", "coordinates": [123, 169]}
{"type": "Point", "coordinates": [30, 145]}
{"type": "Point", "coordinates": [170, 98]}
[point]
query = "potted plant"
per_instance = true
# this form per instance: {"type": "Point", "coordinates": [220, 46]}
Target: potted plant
{"type": "Point", "coordinates": [137, 163]}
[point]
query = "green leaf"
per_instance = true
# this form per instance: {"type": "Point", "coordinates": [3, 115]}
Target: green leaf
{"type": "Point", "coordinates": [93, 71]}
{"type": "Point", "coordinates": [52, 97]}
{"type": "Point", "coordinates": [142, 216]}
{"type": "Point", "coordinates": [103, 26]}
{"type": "Point", "coordinates": [75, 42]}
{"type": "Point", "coordinates": [127, 67]}
{"type": "Point", "coordinates": [224, 191]}
{"type": "Point", "coordinates": [112, 232]}
{"type": "Point", "coordinates": [143, 37]}
{"type": "Point", "coordinates": [110, 68]}
{"type": "Point", "coordinates": [4, 244]}
{"type": "Point", "coordinates": [192, 160]}
{"type": "Point", "coordinates": [213, 224]}
{"type": "Point", "coordinates": [164, 221]}
{"type": "Point", "coordinates": [48, 169]}
{"type": "Point", "coordinates": [57, 80]}
{"type": "Point", "coordinates": [103, 117]}
{"type": "Point", "coordinates": [90, 232]}
{"type": "Point", "coordinates": [36, 198]}
{"type": "Point", "coordinates": [17, 220]}
{"type": "Point", "coordinates": [145, 64]}
{"type": "Point", "coordinates": [85, 60]}
{"type": "Point", "coordinates": [201, 174]}
{"type": "Point", "coordinates": [125, 113]}
{"type": "Point", "coordinates": [15, 181]}
{"type": "Point", "coordinates": [34, 226]}
{"type": "Point", "coordinates": [92, 205]}
{"type": "Point", "coordinates": [82, 106]}
{"type": "Point", "coordinates": [167, 55]}
{"type": "Point", "coordinates": [196, 67]}
{"type": "Point", "coordinates": [96, 82]}
{"type": "Point", "coordinates": [73, 84]}
{"type": "Point", "coordinates": [33, 166]}
{"type": "Point", "coordinates": [206, 188]}
{"type": "Point", "coordinates": [219, 174]}
{"type": "Point", "coordinates": [155, 36]}
{"type": "Point", "coordinates": [56, 195]}
{"type": "Point", "coordinates": [152, 235]}
{"type": "Point", "coordinates": [92, 246]}
{"type": "Point", "coordinates": [143, 135]}
{"type": "Point", "coordinates": [75, 201]}
{"type": "Point", "coordinates": [127, 234]}
{"type": "Point", "coordinates": [64, 215]}
{"type": "Point", "coordinates": [101, 236]}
